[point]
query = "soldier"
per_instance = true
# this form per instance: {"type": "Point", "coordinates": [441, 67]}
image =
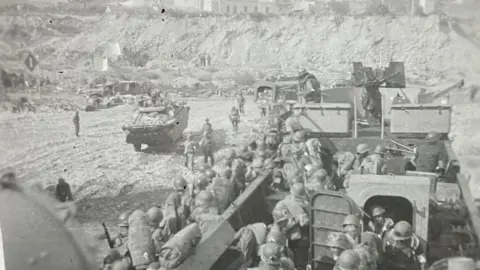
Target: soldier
{"type": "Point", "coordinates": [241, 103]}
{"type": "Point", "coordinates": [201, 183]}
{"type": "Point", "coordinates": [380, 224]}
{"type": "Point", "coordinates": [76, 123]}
{"type": "Point", "coordinates": [372, 98]}
{"type": "Point", "coordinates": [51, 245]}
{"type": "Point", "coordinates": [189, 152]}
{"type": "Point", "coordinates": [223, 189]}
{"type": "Point", "coordinates": [155, 215]}
{"type": "Point", "coordinates": [206, 210]}
{"type": "Point", "coordinates": [348, 260]}
{"type": "Point", "coordinates": [402, 249]}
{"type": "Point", "coordinates": [254, 170]}
{"type": "Point", "coordinates": [121, 239]}
{"type": "Point", "coordinates": [275, 235]}
{"type": "Point", "coordinates": [351, 228]}
{"type": "Point", "coordinates": [210, 174]}
{"type": "Point", "coordinates": [234, 118]}
{"type": "Point", "coordinates": [63, 192]}
{"type": "Point", "coordinates": [375, 163]}
{"type": "Point", "coordinates": [430, 155]}
{"type": "Point", "coordinates": [363, 151]}
{"type": "Point", "coordinates": [248, 240]}
{"type": "Point", "coordinates": [338, 242]}
{"type": "Point", "coordinates": [207, 125]}
{"type": "Point", "coordinates": [270, 257]}
{"type": "Point", "coordinates": [292, 124]}
{"type": "Point", "coordinates": [112, 257]}
{"type": "Point", "coordinates": [306, 83]}
{"type": "Point", "coordinates": [207, 147]}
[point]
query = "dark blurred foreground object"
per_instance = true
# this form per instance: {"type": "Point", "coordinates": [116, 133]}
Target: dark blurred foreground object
{"type": "Point", "coordinates": [32, 237]}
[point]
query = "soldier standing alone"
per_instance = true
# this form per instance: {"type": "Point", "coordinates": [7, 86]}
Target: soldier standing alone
{"type": "Point", "coordinates": [189, 152]}
{"type": "Point", "coordinates": [241, 103]}
{"type": "Point", "coordinates": [76, 123]}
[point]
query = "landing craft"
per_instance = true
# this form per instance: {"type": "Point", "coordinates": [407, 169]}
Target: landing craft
{"type": "Point", "coordinates": [421, 198]}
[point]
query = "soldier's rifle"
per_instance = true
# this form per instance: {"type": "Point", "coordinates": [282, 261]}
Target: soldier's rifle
{"type": "Point", "coordinates": [107, 236]}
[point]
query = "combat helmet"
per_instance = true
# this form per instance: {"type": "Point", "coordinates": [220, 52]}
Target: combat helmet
{"type": "Point", "coordinates": [402, 231]}
{"type": "Point", "coordinates": [123, 218]}
{"type": "Point", "coordinates": [299, 136]}
{"type": "Point", "coordinates": [362, 148]}
{"type": "Point", "coordinates": [338, 240]}
{"type": "Point", "coordinates": [271, 253]}
{"type": "Point", "coordinates": [351, 220]}
{"type": "Point", "coordinates": [155, 215]}
{"type": "Point", "coordinates": [380, 149]}
{"type": "Point", "coordinates": [210, 174]}
{"type": "Point", "coordinates": [180, 183]}
{"type": "Point", "coordinates": [33, 237]}
{"type": "Point", "coordinates": [204, 198]}
{"type": "Point", "coordinates": [348, 260]}
{"type": "Point", "coordinates": [378, 211]}
{"type": "Point", "coordinates": [201, 182]}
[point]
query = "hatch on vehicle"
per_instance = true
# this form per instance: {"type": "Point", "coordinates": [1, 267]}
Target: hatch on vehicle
{"type": "Point", "coordinates": [330, 118]}
{"type": "Point", "coordinates": [327, 212]}
{"type": "Point", "coordinates": [406, 197]}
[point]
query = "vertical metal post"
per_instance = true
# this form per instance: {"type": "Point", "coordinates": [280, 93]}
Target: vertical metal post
{"type": "Point", "coordinates": [382, 119]}
{"type": "Point", "coordinates": [355, 117]}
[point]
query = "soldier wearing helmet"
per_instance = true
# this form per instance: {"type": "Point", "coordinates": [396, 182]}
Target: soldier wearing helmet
{"type": "Point", "coordinates": [222, 189]}
{"type": "Point", "coordinates": [207, 126]}
{"type": "Point", "coordinates": [121, 239]}
{"type": "Point", "coordinates": [33, 236]}
{"type": "Point", "coordinates": [241, 102]}
{"type": "Point", "coordinates": [230, 156]}
{"type": "Point", "coordinates": [292, 124]}
{"type": "Point", "coordinates": [307, 83]}
{"type": "Point", "coordinates": [234, 118]}
{"type": "Point", "coordinates": [363, 151]}
{"type": "Point", "coordinates": [270, 257]}
{"type": "Point", "coordinates": [348, 260]}
{"type": "Point", "coordinates": [155, 216]}
{"type": "Point", "coordinates": [402, 248]}
{"type": "Point", "coordinates": [254, 170]}
{"type": "Point", "coordinates": [210, 174]}
{"type": "Point", "coordinates": [189, 152]}
{"type": "Point", "coordinates": [179, 202]}
{"type": "Point", "coordinates": [206, 143]}
{"type": "Point", "coordinates": [338, 242]}
{"type": "Point", "coordinates": [429, 155]}
{"type": "Point", "coordinates": [239, 170]}
{"type": "Point", "coordinates": [205, 203]}
{"type": "Point", "coordinates": [352, 228]}
{"type": "Point", "coordinates": [375, 163]}
{"type": "Point", "coordinates": [380, 224]}
{"type": "Point", "coordinates": [201, 183]}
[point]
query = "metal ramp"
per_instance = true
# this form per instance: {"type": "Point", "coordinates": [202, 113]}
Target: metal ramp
{"type": "Point", "coordinates": [328, 209]}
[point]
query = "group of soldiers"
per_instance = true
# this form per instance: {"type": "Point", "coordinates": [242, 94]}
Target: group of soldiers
{"type": "Point", "coordinates": [300, 166]}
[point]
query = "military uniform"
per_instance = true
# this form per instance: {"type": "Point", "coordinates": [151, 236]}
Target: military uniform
{"type": "Point", "coordinates": [348, 260]}
{"type": "Point", "coordinates": [402, 250]}
{"type": "Point", "coordinates": [241, 103]}
{"type": "Point", "coordinates": [383, 225]}
{"type": "Point", "coordinates": [234, 118]}
{"type": "Point", "coordinates": [207, 147]}
{"type": "Point", "coordinates": [63, 192]}
{"type": "Point", "coordinates": [430, 154]}
{"type": "Point", "coordinates": [189, 153]}
{"type": "Point", "coordinates": [76, 123]}
{"type": "Point", "coordinates": [375, 163]}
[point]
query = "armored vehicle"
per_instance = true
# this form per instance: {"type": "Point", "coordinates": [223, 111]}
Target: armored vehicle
{"type": "Point", "coordinates": [157, 126]}
{"type": "Point", "coordinates": [433, 205]}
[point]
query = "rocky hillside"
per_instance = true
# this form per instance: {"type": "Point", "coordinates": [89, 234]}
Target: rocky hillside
{"type": "Point", "coordinates": [428, 45]}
